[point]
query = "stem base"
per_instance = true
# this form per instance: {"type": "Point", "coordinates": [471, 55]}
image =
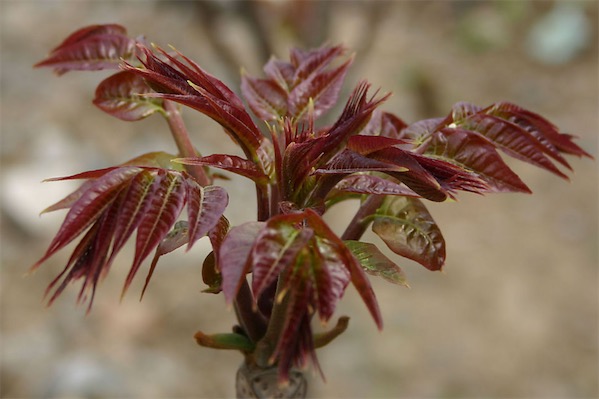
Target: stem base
{"type": "Point", "coordinates": [256, 382]}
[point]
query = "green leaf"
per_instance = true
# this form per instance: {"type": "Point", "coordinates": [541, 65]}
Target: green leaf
{"type": "Point", "coordinates": [224, 341]}
{"type": "Point", "coordinates": [375, 263]}
{"type": "Point", "coordinates": [408, 229]}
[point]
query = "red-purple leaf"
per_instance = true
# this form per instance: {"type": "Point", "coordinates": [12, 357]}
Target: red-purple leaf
{"type": "Point", "coordinates": [322, 89]}
{"type": "Point", "coordinates": [229, 163]}
{"type": "Point", "coordinates": [90, 31]}
{"type": "Point", "coordinates": [280, 72]}
{"type": "Point", "coordinates": [277, 247]}
{"type": "Point", "coordinates": [266, 98]}
{"type": "Point", "coordinates": [417, 177]}
{"type": "Point", "coordinates": [353, 119]}
{"type": "Point", "coordinates": [330, 276]}
{"type": "Point", "coordinates": [512, 139]}
{"type": "Point", "coordinates": [419, 131]}
{"type": "Point", "coordinates": [375, 263]}
{"type": "Point", "coordinates": [348, 161]}
{"type": "Point", "coordinates": [205, 206]}
{"type": "Point", "coordinates": [132, 207]}
{"type": "Point", "coordinates": [165, 206]}
{"type": "Point", "coordinates": [92, 48]}
{"type": "Point", "coordinates": [473, 152]}
{"type": "Point", "coordinates": [310, 62]}
{"type": "Point", "coordinates": [463, 110]}
{"type": "Point", "coordinates": [176, 238]}
{"type": "Point", "coordinates": [340, 252]}
{"type": "Point", "coordinates": [121, 95]}
{"type": "Point", "coordinates": [186, 83]}
{"type": "Point", "coordinates": [365, 145]}
{"type": "Point", "coordinates": [89, 207]}
{"type": "Point", "coordinates": [408, 229]}
{"type": "Point", "coordinates": [70, 199]}
{"type": "Point", "coordinates": [233, 256]}
{"type": "Point", "coordinates": [541, 129]}
{"type": "Point", "coordinates": [372, 184]}
{"type": "Point", "coordinates": [384, 124]}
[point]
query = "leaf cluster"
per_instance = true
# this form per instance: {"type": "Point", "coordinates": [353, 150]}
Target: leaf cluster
{"type": "Point", "coordinates": [288, 265]}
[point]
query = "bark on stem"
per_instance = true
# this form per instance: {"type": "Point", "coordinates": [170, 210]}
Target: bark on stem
{"type": "Point", "coordinates": [184, 145]}
{"type": "Point", "coordinates": [359, 223]}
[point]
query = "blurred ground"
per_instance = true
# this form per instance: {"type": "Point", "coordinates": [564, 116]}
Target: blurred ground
{"type": "Point", "coordinates": [514, 315]}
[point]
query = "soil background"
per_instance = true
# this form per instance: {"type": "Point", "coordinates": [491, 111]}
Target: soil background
{"type": "Point", "coordinates": [513, 315]}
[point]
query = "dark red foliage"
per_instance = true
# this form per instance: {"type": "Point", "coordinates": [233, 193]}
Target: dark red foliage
{"type": "Point", "coordinates": [299, 267]}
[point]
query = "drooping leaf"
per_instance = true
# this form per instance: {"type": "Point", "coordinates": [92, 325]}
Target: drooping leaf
{"type": "Point", "coordinates": [117, 201]}
{"type": "Point", "coordinates": [91, 48]}
{"type": "Point", "coordinates": [176, 238]}
{"type": "Point", "coordinates": [330, 276]}
{"type": "Point", "coordinates": [165, 206]}
{"type": "Point", "coordinates": [233, 257]}
{"type": "Point", "coordinates": [276, 247]}
{"type": "Point", "coordinates": [89, 207]}
{"type": "Point", "coordinates": [374, 262]}
{"type": "Point", "coordinates": [408, 229]}
{"type": "Point", "coordinates": [337, 250]}
{"type": "Point", "coordinates": [121, 95]}
{"type": "Point", "coordinates": [205, 206]}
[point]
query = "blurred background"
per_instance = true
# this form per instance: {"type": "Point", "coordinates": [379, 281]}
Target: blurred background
{"type": "Point", "coordinates": [515, 312]}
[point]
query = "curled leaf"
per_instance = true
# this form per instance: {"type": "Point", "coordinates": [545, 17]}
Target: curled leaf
{"type": "Point", "coordinates": [122, 96]}
{"type": "Point", "coordinates": [408, 229]}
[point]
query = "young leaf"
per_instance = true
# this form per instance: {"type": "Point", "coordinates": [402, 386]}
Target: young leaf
{"type": "Point", "coordinates": [89, 207]}
{"type": "Point", "coordinates": [375, 263]}
{"type": "Point", "coordinates": [230, 163]}
{"type": "Point", "coordinates": [165, 206]}
{"type": "Point", "coordinates": [384, 124]}
{"type": "Point", "coordinates": [186, 83]}
{"type": "Point", "coordinates": [176, 238]}
{"type": "Point", "coordinates": [119, 200]}
{"type": "Point", "coordinates": [121, 95]}
{"type": "Point", "coordinates": [372, 184]}
{"type": "Point", "coordinates": [408, 229]}
{"type": "Point", "coordinates": [205, 206]}
{"type": "Point", "coordinates": [266, 98]}
{"type": "Point", "coordinates": [322, 89]}
{"type": "Point", "coordinates": [92, 48]}
{"type": "Point", "coordinates": [512, 139]}
{"type": "Point", "coordinates": [277, 246]}
{"type": "Point", "coordinates": [473, 152]}
{"type": "Point", "coordinates": [541, 129]}
{"type": "Point", "coordinates": [233, 256]}
{"type": "Point", "coordinates": [337, 251]}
